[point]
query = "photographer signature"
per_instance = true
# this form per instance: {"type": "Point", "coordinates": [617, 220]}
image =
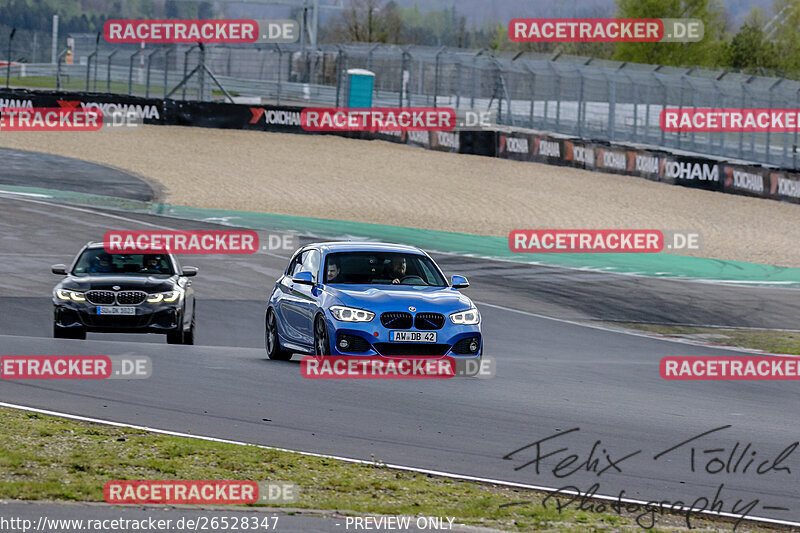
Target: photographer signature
{"type": "Point", "coordinates": [740, 458]}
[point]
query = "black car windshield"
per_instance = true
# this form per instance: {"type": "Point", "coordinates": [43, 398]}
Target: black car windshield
{"type": "Point", "coordinates": [382, 268]}
{"type": "Point", "coordinates": [96, 261]}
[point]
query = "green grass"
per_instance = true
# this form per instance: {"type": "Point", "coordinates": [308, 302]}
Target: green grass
{"type": "Point", "coordinates": [775, 341]}
{"type": "Point", "coordinates": [50, 458]}
{"type": "Point", "coordinates": [73, 83]}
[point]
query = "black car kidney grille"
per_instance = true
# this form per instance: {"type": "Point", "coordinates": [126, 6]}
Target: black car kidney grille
{"type": "Point", "coordinates": [100, 297]}
{"type": "Point", "coordinates": [397, 320]}
{"type": "Point", "coordinates": [429, 321]}
{"type": "Point", "coordinates": [131, 297]}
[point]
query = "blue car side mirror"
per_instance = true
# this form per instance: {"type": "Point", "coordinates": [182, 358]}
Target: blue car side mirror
{"type": "Point", "coordinates": [459, 282]}
{"type": "Point", "coordinates": [303, 278]}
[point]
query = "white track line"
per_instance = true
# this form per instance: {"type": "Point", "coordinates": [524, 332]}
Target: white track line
{"type": "Point", "coordinates": [426, 471]}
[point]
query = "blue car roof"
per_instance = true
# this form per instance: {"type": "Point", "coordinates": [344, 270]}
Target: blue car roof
{"type": "Point", "coordinates": [352, 246]}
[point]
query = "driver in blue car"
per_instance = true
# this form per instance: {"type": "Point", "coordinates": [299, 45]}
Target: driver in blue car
{"type": "Point", "coordinates": [397, 269]}
{"type": "Point", "coordinates": [333, 271]}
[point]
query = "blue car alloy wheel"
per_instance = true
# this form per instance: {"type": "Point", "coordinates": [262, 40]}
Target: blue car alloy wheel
{"type": "Point", "coordinates": [362, 298]}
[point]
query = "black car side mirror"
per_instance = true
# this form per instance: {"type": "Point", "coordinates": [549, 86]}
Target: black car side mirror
{"type": "Point", "coordinates": [189, 271]}
{"type": "Point", "coordinates": [59, 269]}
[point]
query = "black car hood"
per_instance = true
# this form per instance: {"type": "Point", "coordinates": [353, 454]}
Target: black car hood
{"type": "Point", "coordinates": [125, 283]}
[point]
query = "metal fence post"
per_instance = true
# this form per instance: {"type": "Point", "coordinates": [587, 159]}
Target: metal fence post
{"type": "Point", "coordinates": [108, 70]}
{"type": "Point", "coordinates": [533, 94]}
{"type": "Point", "coordinates": [280, 74]}
{"type": "Point", "coordinates": [717, 93]}
{"type": "Point", "coordinates": [369, 67]}
{"type": "Point", "coordinates": [436, 76]}
{"type": "Point", "coordinates": [186, 70]}
{"type": "Point", "coordinates": [635, 88]}
{"type": "Point", "coordinates": [558, 99]}
{"type": "Point", "coordinates": [339, 60]}
{"type": "Point", "coordinates": [58, 67]}
{"type": "Point", "coordinates": [741, 133]}
{"type": "Point", "coordinates": [201, 72]}
{"type": "Point", "coordinates": [149, 62]}
{"type": "Point", "coordinates": [89, 68]}
{"type": "Point", "coordinates": [581, 106]}
{"type": "Point", "coordinates": [680, 107]}
{"type": "Point", "coordinates": [785, 154]}
{"type": "Point", "coordinates": [768, 147]}
{"type": "Point", "coordinates": [648, 97]}
{"type": "Point", "coordinates": [8, 68]}
{"type": "Point", "coordinates": [612, 102]}
{"type": "Point", "coordinates": [96, 60]}
{"type": "Point", "coordinates": [694, 107]}
{"type": "Point", "coordinates": [130, 71]}
{"type": "Point", "coordinates": [458, 85]}
{"type": "Point", "coordinates": [664, 103]}
{"type": "Point", "coordinates": [167, 52]}
{"type": "Point", "coordinates": [403, 69]}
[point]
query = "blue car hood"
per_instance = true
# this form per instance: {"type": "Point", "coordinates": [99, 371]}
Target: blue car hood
{"type": "Point", "coordinates": [401, 297]}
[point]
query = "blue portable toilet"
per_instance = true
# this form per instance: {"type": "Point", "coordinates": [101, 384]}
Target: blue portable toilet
{"type": "Point", "coordinates": [361, 84]}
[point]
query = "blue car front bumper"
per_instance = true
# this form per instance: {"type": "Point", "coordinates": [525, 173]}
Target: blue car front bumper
{"type": "Point", "coordinates": [373, 338]}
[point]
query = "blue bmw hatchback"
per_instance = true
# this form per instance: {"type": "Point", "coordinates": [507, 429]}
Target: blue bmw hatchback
{"type": "Point", "coordinates": [363, 298]}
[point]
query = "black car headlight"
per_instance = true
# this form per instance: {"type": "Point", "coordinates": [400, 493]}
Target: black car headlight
{"type": "Point", "coordinates": [168, 297]}
{"type": "Point", "coordinates": [470, 317]}
{"type": "Point", "coordinates": [66, 294]}
{"type": "Point", "coordinates": [351, 314]}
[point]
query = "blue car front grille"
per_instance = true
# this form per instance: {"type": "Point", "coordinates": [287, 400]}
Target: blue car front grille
{"type": "Point", "coordinates": [429, 321]}
{"type": "Point", "coordinates": [397, 320]}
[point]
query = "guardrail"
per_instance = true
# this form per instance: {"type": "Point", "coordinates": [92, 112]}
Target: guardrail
{"type": "Point", "coordinates": [576, 96]}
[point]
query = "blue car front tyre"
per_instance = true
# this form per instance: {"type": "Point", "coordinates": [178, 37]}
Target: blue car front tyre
{"type": "Point", "coordinates": [322, 345]}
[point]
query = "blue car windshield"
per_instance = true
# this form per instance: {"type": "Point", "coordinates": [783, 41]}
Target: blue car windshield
{"type": "Point", "coordinates": [95, 261]}
{"type": "Point", "coordinates": [382, 268]}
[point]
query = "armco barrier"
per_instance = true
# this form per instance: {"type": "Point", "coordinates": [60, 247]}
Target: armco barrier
{"type": "Point", "coordinates": [677, 169]}
{"type": "Point", "coordinates": [784, 186]}
{"type": "Point", "coordinates": [149, 109]}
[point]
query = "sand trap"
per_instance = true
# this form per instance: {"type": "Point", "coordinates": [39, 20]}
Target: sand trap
{"type": "Point", "coordinates": [376, 181]}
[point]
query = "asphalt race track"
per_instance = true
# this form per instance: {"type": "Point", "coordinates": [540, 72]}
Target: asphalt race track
{"type": "Point", "coordinates": [552, 375]}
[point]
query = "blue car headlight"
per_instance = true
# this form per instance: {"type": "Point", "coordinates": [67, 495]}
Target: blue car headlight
{"type": "Point", "coordinates": [470, 317]}
{"type": "Point", "coordinates": [351, 314]}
